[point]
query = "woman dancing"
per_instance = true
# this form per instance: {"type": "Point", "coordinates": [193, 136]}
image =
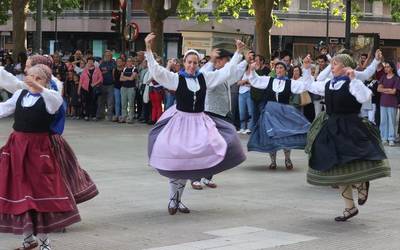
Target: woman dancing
{"type": "Point", "coordinates": [186, 143]}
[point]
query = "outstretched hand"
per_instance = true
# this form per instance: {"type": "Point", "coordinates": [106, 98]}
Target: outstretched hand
{"type": "Point", "coordinates": [149, 40]}
{"type": "Point", "coordinates": [307, 61]}
{"type": "Point", "coordinates": [378, 55]}
{"type": "Point", "coordinates": [240, 46]}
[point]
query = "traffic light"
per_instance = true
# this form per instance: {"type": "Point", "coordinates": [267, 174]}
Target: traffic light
{"type": "Point", "coordinates": [116, 21]}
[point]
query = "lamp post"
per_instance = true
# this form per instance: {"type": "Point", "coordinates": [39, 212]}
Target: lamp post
{"type": "Point", "coordinates": [348, 24]}
{"type": "Point", "coordinates": [38, 34]}
{"type": "Point", "coordinates": [327, 25]}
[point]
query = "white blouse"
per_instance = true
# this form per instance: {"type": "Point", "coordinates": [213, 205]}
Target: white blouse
{"type": "Point", "coordinates": [11, 83]}
{"type": "Point", "coordinates": [297, 86]}
{"type": "Point", "coordinates": [52, 99]}
{"type": "Point", "coordinates": [236, 75]}
{"type": "Point", "coordinates": [170, 80]}
{"type": "Point", "coordinates": [356, 87]}
{"type": "Point", "coordinates": [361, 75]}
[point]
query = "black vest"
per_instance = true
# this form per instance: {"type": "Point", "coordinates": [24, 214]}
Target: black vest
{"type": "Point", "coordinates": [33, 119]}
{"type": "Point", "coordinates": [341, 101]}
{"type": "Point", "coordinates": [187, 100]}
{"type": "Point", "coordinates": [283, 97]}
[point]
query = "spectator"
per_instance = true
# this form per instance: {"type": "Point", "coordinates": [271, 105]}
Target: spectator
{"type": "Point", "coordinates": [117, 88]}
{"type": "Point", "coordinates": [107, 89]}
{"type": "Point", "coordinates": [59, 67]}
{"type": "Point", "coordinates": [19, 69]}
{"type": "Point", "coordinates": [388, 86]}
{"type": "Point", "coordinates": [128, 91]}
{"type": "Point", "coordinates": [90, 81]}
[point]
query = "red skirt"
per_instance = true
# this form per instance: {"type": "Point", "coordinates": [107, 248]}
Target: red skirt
{"type": "Point", "coordinates": [33, 193]}
{"type": "Point", "coordinates": [77, 179]}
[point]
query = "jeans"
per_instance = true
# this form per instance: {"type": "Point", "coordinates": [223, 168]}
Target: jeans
{"type": "Point", "coordinates": [106, 97]}
{"type": "Point", "coordinates": [128, 100]}
{"type": "Point", "coordinates": [388, 123]}
{"type": "Point", "coordinates": [369, 113]}
{"type": "Point", "coordinates": [117, 99]}
{"type": "Point", "coordinates": [169, 100]}
{"type": "Point", "coordinates": [246, 110]}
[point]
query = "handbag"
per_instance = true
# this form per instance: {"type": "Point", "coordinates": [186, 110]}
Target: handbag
{"type": "Point", "coordinates": [305, 98]}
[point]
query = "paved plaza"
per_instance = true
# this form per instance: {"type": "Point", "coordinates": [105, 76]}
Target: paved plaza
{"type": "Point", "coordinates": [253, 208]}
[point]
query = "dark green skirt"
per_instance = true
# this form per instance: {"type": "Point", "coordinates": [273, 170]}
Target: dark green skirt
{"type": "Point", "coordinates": [356, 171]}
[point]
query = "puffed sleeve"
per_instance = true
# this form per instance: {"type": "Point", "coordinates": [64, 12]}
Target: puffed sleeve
{"type": "Point", "coordinates": [260, 82]}
{"type": "Point", "coordinates": [325, 74]}
{"type": "Point", "coordinates": [10, 82]}
{"type": "Point", "coordinates": [164, 77]}
{"type": "Point", "coordinates": [8, 107]}
{"type": "Point", "coordinates": [368, 72]}
{"type": "Point", "coordinates": [52, 99]}
{"type": "Point", "coordinates": [219, 76]}
{"type": "Point", "coordinates": [361, 92]}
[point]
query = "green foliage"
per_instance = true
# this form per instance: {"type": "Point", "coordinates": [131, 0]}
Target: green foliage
{"type": "Point", "coordinates": [50, 7]}
{"type": "Point", "coordinates": [5, 5]}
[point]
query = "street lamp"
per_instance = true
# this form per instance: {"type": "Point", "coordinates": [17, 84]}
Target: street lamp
{"type": "Point", "coordinates": [348, 24]}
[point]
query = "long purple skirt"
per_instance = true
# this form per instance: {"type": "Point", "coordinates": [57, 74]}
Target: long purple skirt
{"type": "Point", "coordinates": [78, 180]}
{"type": "Point", "coordinates": [233, 155]}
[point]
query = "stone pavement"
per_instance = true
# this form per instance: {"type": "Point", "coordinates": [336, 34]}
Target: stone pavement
{"type": "Point", "coordinates": [253, 208]}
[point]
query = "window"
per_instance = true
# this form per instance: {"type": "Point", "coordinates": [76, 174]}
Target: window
{"type": "Point", "coordinates": [306, 6]}
{"type": "Point", "coordinates": [365, 6]}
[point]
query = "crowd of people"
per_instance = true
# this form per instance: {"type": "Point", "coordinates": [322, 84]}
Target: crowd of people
{"type": "Point", "coordinates": [330, 106]}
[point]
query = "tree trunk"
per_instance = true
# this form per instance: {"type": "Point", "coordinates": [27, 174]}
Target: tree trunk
{"type": "Point", "coordinates": [18, 8]}
{"type": "Point", "coordinates": [263, 13]}
{"type": "Point", "coordinates": [157, 27]}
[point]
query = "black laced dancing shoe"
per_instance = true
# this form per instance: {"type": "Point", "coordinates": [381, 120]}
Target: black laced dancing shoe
{"type": "Point", "coordinates": [28, 245]}
{"type": "Point", "coordinates": [364, 192]}
{"type": "Point", "coordinates": [348, 212]}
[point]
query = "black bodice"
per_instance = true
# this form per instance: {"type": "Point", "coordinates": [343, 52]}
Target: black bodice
{"type": "Point", "coordinates": [33, 119]}
{"type": "Point", "coordinates": [189, 101]}
{"type": "Point", "coordinates": [341, 101]}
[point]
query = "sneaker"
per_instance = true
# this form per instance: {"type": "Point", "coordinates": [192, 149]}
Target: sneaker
{"type": "Point", "coordinates": [241, 131]}
{"type": "Point", "coordinates": [115, 119]}
{"type": "Point", "coordinates": [86, 118]}
{"type": "Point", "coordinates": [247, 131]}
{"type": "Point", "coordinates": [391, 143]}
{"type": "Point", "coordinates": [197, 185]}
{"type": "Point", "coordinates": [94, 119]}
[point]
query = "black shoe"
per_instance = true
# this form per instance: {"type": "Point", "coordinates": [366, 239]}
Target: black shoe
{"type": "Point", "coordinates": [183, 209]}
{"type": "Point", "coordinates": [360, 190]}
{"type": "Point", "coordinates": [347, 214]}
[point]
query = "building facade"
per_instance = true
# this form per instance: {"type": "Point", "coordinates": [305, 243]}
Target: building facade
{"type": "Point", "coordinates": [304, 28]}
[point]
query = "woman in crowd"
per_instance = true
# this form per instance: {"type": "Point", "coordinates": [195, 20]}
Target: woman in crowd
{"type": "Point", "coordinates": [344, 149]}
{"type": "Point", "coordinates": [388, 86]}
{"type": "Point", "coordinates": [90, 80]}
{"type": "Point", "coordinates": [42, 203]}
{"type": "Point", "coordinates": [185, 133]}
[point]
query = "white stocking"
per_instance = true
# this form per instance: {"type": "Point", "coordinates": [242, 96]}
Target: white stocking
{"type": "Point", "coordinates": [176, 187]}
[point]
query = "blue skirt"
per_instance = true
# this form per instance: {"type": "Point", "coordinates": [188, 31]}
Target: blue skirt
{"type": "Point", "coordinates": [280, 126]}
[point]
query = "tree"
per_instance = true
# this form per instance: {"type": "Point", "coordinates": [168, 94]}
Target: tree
{"type": "Point", "coordinates": [20, 9]}
{"type": "Point", "coordinates": [157, 13]}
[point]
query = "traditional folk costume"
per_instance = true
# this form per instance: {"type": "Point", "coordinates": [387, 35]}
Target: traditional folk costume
{"type": "Point", "coordinates": [280, 126]}
{"type": "Point", "coordinates": [344, 149]}
{"type": "Point", "coordinates": [78, 180]}
{"type": "Point", "coordinates": [186, 143]}
{"type": "Point", "coordinates": [218, 103]}
{"type": "Point", "coordinates": [34, 198]}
